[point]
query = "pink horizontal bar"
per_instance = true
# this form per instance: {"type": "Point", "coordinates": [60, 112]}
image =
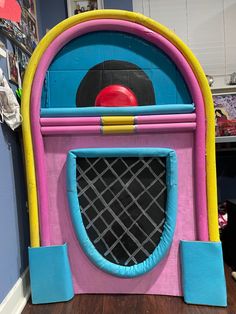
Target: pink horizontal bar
{"type": "Point", "coordinates": [141, 128]}
{"type": "Point", "coordinates": [165, 118]}
{"type": "Point", "coordinates": [70, 121]}
{"type": "Point", "coordinates": [138, 120]}
{"type": "Point", "coordinates": [69, 130]}
{"type": "Point", "coordinates": [167, 127]}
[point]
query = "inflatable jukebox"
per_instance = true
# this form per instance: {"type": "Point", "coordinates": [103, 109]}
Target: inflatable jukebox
{"type": "Point", "coordinates": [119, 148]}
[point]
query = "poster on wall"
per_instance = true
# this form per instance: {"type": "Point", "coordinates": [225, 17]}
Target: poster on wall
{"type": "Point", "coordinates": [24, 34]}
{"type": "Point", "coordinates": [13, 68]}
{"type": "Point", "coordinates": [225, 114]}
{"type": "Point", "coordinates": [23, 60]}
{"type": "Point", "coordinates": [77, 7]}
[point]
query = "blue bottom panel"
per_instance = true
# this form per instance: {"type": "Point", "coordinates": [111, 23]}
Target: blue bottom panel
{"type": "Point", "coordinates": [203, 276]}
{"type": "Point", "coordinates": [50, 274]}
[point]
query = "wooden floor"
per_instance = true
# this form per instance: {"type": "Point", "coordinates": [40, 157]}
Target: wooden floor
{"type": "Point", "coordinates": [134, 304]}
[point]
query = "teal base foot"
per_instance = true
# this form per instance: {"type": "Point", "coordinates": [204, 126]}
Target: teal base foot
{"type": "Point", "coordinates": [203, 276]}
{"type": "Point", "coordinates": [50, 274]}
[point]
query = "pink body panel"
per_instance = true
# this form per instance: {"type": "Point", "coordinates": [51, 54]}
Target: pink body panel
{"type": "Point", "coordinates": [87, 278]}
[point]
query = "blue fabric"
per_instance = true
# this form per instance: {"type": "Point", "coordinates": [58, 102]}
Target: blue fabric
{"type": "Point", "coordinates": [50, 274]}
{"type": "Point", "coordinates": [171, 207]}
{"type": "Point", "coordinates": [107, 111]}
{"type": "Point", "coordinates": [73, 62]}
{"type": "Point", "coordinates": [203, 276]}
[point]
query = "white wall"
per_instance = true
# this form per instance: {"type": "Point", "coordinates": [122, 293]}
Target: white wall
{"type": "Point", "coordinates": [207, 26]}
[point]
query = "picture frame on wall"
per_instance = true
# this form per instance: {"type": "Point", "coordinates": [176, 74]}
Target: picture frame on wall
{"type": "Point", "coordinates": [29, 5]}
{"type": "Point", "coordinates": [13, 68]}
{"type": "Point", "coordinates": [32, 8]}
{"type": "Point", "coordinates": [32, 25]}
{"type": "Point", "coordinates": [23, 60]}
{"type": "Point", "coordinates": [23, 34]}
{"type": "Point", "coordinates": [225, 114]}
{"type": "Point", "coordinates": [80, 6]}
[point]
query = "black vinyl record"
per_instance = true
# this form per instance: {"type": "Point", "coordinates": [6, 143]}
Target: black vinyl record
{"type": "Point", "coordinates": [114, 72]}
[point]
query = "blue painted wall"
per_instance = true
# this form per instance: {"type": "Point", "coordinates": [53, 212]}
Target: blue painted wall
{"type": "Point", "coordinates": [14, 231]}
{"type": "Point", "coordinates": [51, 12]}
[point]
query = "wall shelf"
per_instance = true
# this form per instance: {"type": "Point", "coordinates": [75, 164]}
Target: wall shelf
{"type": "Point", "coordinates": [223, 90]}
{"type": "Point", "coordinates": [220, 87]}
{"type": "Point", "coordinates": [225, 139]}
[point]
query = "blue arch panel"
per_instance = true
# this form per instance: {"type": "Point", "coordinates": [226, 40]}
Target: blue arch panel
{"type": "Point", "coordinates": [73, 62]}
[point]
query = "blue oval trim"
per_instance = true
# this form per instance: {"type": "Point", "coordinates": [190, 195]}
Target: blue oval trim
{"type": "Point", "coordinates": [117, 111]}
{"type": "Point", "coordinates": [171, 207]}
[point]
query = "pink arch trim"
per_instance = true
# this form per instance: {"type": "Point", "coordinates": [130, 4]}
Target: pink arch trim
{"type": "Point", "coordinates": [191, 81]}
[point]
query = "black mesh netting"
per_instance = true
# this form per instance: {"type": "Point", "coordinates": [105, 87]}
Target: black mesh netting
{"type": "Point", "coordinates": [122, 202]}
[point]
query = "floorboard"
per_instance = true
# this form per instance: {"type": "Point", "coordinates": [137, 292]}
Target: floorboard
{"type": "Point", "coordinates": [134, 304]}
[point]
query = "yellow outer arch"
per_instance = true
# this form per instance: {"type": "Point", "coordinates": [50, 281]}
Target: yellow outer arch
{"type": "Point", "coordinates": [198, 71]}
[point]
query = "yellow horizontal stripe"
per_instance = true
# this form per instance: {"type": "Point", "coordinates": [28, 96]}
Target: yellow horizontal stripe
{"type": "Point", "coordinates": [118, 120]}
{"type": "Point", "coordinates": [111, 129]}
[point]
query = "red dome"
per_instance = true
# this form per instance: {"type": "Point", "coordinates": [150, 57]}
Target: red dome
{"type": "Point", "coordinates": [116, 96]}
